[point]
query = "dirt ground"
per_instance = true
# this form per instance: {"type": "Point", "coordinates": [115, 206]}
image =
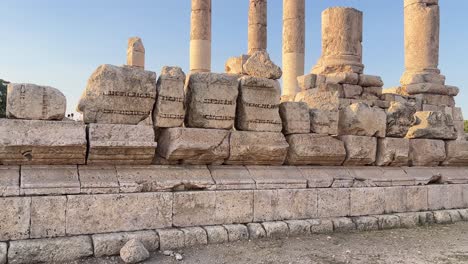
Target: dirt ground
{"type": "Point", "coordinates": [435, 244]}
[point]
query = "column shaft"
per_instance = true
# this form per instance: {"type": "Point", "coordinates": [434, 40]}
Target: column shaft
{"type": "Point", "coordinates": [200, 36]}
{"type": "Point", "coordinates": [257, 31]}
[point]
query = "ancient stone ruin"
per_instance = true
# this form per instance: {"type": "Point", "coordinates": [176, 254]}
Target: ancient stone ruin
{"type": "Point", "coordinates": [176, 160]}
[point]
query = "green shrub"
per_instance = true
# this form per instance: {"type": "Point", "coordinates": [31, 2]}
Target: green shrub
{"type": "Point", "coordinates": [466, 126]}
{"type": "Point", "coordinates": [3, 97]}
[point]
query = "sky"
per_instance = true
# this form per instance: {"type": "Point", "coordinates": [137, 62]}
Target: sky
{"type": "Point", "coordinates": [60, 43]}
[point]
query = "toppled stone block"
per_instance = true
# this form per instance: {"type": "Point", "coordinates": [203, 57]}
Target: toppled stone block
{"type": "Point", "coordinates": [110, 244]}
{"type": "Point", "coordinates": [235, 65]}
{"type": "Point", "coordinates": [115, 144]}
{"type": "Point", "coordinates": [257, 148]}
{"type": "Point", "coordinates": [34, 102]}
{"type": "Point", "coordinates": [134, 252]}
{"type": "Point", "coordinates": [426, 152]}
{"type": "Point", "coordinates": [457, 153]}
{"type": "Point", "coordinates": [307, 82]}
{"type": "Point", "coordinates": [258, 105]}
{"type": "Point", "coordinates": [260, 65]}
{"type": "Point", "coordinates": [118, 95]}
{"type": "Point", "coordinates": [400, 117]}
{"type": "Point", "coordinates": [169, 110]}
{"type": "Point", "coordinates": [421, 77]}
{"type": "Point", "coordinates": [136, 53]}
{"type": "Point", "coordinates": [194, 145]}
{"type": "Point", "coordinates": [211, 100]}
{"type": "Point", "coordinates": [361, 120]}
{"type": "Point", "coordinates": [432, 125]}
{"type": "Point", "coordinates": [313, 149]}
{"type": "Point", "coordinates": [360, 151]}
{"type": "Point", "coordinates": [370, 81]}
{"type": "Point", "coordinates": [46, 143]}
{"type": "Point", "coordinates": [295, 117]}
{"type": "Point", "coordinates": [392, 152]}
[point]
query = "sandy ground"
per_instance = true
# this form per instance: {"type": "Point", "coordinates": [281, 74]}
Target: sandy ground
{"type": "Point", "coordinates": [435, 244]}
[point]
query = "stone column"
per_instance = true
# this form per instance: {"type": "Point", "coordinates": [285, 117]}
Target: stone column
{"type": "Point", "coordinates": [136, 53]}
{"type": "Point", "coordinates": [293, 45]}
{"type": "Point", "coordinates": [422, 21]}
{"type": "Point", "coordinates": [200, 36]}
{"type": "Point", "coordinates": [257, 31]}
{"type": "Point", "coordinates": [341, 41]}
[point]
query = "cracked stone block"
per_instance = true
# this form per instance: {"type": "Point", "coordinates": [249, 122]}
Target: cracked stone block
{"type": "Point", "coordinates": [408, 220]}
{"type": "Point", "coordinates": [256, 231]}
{"type": "Point", "coordinates": [276, 229]}
{"type": "Point", "coordinates": [343, 224]}
{"type": "Point", "coordinates": [361, 120]}
{"type": "Point", "coordinates": [313, 149]}
{"type": "Point", "coordinates": [194, 236]}
{"type": "Point", "coordinates": [171, 238]}
{"type": "Point", "coordinates": [232, 177]}
{"type": "Point", "coordinates": [321, 226]}
{"type": "Point", "coordinates": [426, 152]}
{"type": "Point", "coordinates": [295, 117]}
{"type": "Point", "coordinates": [237, 232]}
{"type": "Point", "coordinates": [98, 179]}
{"type": "Point", "coordinates": [388, 221]}
{"type": "Point", "coordinates": [216, 234]}
{"type": "Point", "coordinates": [395, 199]}
{"type": "Point", "coordinates": [455, 216]}
{"type": "Point", "coordinates": [360, 150]}
{"type": "Point", "coordinates": [392, 152]}
{"type": "Point", "coordinates": [366, 223]}
{"type": "Point", "coordinates": [298, 227]}
{"type": "Point", "coordinates": [457, 153]}
{"type": "Point", "coordinates": [277, 177]}
{"type": "Point", "coordinates": [111, 243]}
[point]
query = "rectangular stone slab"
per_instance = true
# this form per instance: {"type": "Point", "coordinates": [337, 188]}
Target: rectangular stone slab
{"type": "Point", "coordinates": [9, 180]}
{"type": "Point", "coordinates": [36, 180]}
{"type": "Point", "coordinates": [314, 149]}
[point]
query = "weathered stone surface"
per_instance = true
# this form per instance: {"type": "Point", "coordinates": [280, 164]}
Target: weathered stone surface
{"type": "Point", "coordinates": [445, 197]}
{"type": "Point", "coordinates": [361, 120]}
{"type": "Point", "coordinates": [15, 219]}
{"type": "Point", "coordinates": [370, 81]}
{"type": "Point", "coordinates": [366, 223]}
{"type": "Point", "coordinates": [194, 145]}
{"type": "Point", "coordinates": [260, 65]}
{"type": "Point", "coordinates": [367, 201]}
{"type": "Point", "coordinates": [118, 95]}
{"type": "Point", "coordinates": [98, 179]}
{"type": "Point", "coordinates": [3, 253]}
{"type": "Point", "coordinates": [232, 178]}
{"type": "Point", "coordinates": [30, 101]}
{"type": "Point", "coordinates": [48, 216]}
{"type": "Point", "coordinates": [392, 152]}
{"type": "Point", "coordinates": [298, 227]}
{"type": "Point", "coordinates": [452, 90]}
{"type": "Point", "coordinates": [216, 234]}
{"type": "Point", "coordinates": [432, 125]}
{"type": "Point", "coordinates": [258, 105]}
{"type": "Point", "coordinates": [194, 236]}
{"type": "Point", "coordinates": [3, 98]}
{"type": "Point", "coordinates": [171, 238]}
{"type": "Point", "coordinates": [134, 252]}
{"type": "Point", "coordinates": [435, 99]}
{"type": "Point", "coordinates": [237, 232]}
{"type": "Point", "coordinates": [442, 217]}
{"type": "Point", "coordinates": [307, 82]}
{"type": "Point", "coordinates": [325, 177]}
{"type": "Point", "coordinates": [256, 231]}
{"type": "Point", "coordinates": [276, 229]}
{"type": "Point", "coordinates": [343, 224]}
{"type": "Point", "coordinates": [408, 220]}
{"type": "Point", "coordinates": [320, 226]}
{"type": "Point", "coordinates": [136, 53]}
{"type": "Point", "coordinates": [279, 177]}
{"type": "Point", "coordinates": [388, 221]}
{"type": "Point", "coordinates": [235, 65]}
{"type": "Point", "coordinates": [88, 214]}
{"type": "Point", "coordinates": [423, 77]}
{"type": "Point", "coordinates": [400, 117]}
{"type": "Point", "coordinates": [313, 149]}
{"type": "Point", "coordinates": [257, 148]}
{"type": "Point", "coordinates": [169, 110]}
{"type": "Point", "coordinates": [416, 198]}
{"type": "Point", "coordinates": [426, 152]}
{"type": "Point", "coordinates": [426, 88]}
{"type": "Point", "coordinates": [295, 117]}
{"type": "Point", "coordinates": [333, 202]}
{"type": "Point", "coordinates": [359, 150]}
{"type": "Point", "coordinates": [211, 100]}
{"type": "Point", "coordinates": [40, 180]}
{"type": "Point", "coordinates": [352, 91]}
{"type": "Point", "coordinates": [457, 153]}
{"type": "Point", "coordinates": [112, 144]}
{"type": "Point", "coordinates": [57, 250]}
{"type": "Point", "coordinates": [395, 199]}
{"type": "Point", "coordinates": [110, 244]}
{"type": "Point", "coordinates": [342, 78]}
{"type": "Point", "coordinates": [46, 143]}
{"type": "Point", "coordinates": [9, 181]}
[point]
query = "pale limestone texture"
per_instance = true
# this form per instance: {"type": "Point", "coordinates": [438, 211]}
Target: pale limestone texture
{"type": "Point", "coordinates": [134, 252]}
{"type": "Point", "coordinates": [48, 216]}
{"type": "Point", "coordinates": [235, 65]}
{"type": "Point", "coordinates": [216, 234]}
{"type": "Point", "coordinates": [400, 117]}
{"type": "Point", "coordinates": [237, 232]}
{"type": "Point", "coordinates": [118, 95]}
{"type": "Point", "coordinates": [111, 243]}
{"type": "Point", "coordinates": [46, 143]}
{"type": "Point", "coordinates": [423, 77]}
{"type": "Point", "coordinates": [200, 36]}
{"type": "Point", "coordinates": [115, 144]}
{"type": "Point", "coordinates": [169, 110]}
{"type": "Point", "coordinates": [211, 100]}
{"type": "Point", "coordinates": [307, 82]}
{"type": "Point", "coordinates": [432, 125]}
{"type": "Point", "coordinates": [257, 26]}
{"type": "Point", "coordinates": [194, 236]}
{"type": "Point", "coordinates": [333, 202]}
{"type": "Point", "coordinates": [257, 148]}
{"type": "Point", "coordinates": [295, 117]}
{"type": "Point", "coordinates": [367, 201]}
{"type": "Point", "coordinates": [47, 180]}
{"type": "Point", "coordinates": [260, 65]}
{"type": "Point", "coordinates": [3, 253]}
{"type": "Point", "coordinates": [360, 150]}
{"type": "Point", "coordinates": [258, 105]}
{"type": "Point", "coordinates": [136, 53]}
{"type": "Point", "coordinates": [313, 149]}
{"type": "Point", "coordinates": [194, 145]}
{"type": "Point", "coordinates": [342, 78]}
{"type": "Point", "coordinates": [426, 88]}
{"type": "Point", "coordinates": [34, 102]}
{"type": "Point", "coordinates": [231, 178]}
{"type": "Point", "coordinates": [370, 81]}
{"type": "Point", "coordinates": [98, 179]}
{"type": "Point", "coordinates": [9, 181]}
{"type": "Point", "coordinates": [277, 177]}
{"type": "Point", "coordinates": [426, 152]}
{"type": "Point", "coordinates": [392, 152]}
{"type": "Point", "coordinates": [457, 153]}
{"type": "Point", "coordinates": [171, 238]}
{"type": "Point", "coordinates": [15, 219]}
{"type": "Point", "coordinates": [361, 120]}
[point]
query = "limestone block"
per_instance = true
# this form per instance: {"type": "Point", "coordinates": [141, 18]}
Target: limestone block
{"type": "Point", "coordinates": [48, 216]}
{"type": "Point", "coordinates": [47, 143]}
{"type": "Point", "coordinates": [136, 53]}
{"type": "Point", "coordinates": [375, 92]}
{"type": "Point", "coordinates": [194, 145]}
{"type": "Point", "coordinates": [452, 90]}
{"type": "Point", "coordinates": [164, 178]}
{"type": "Point", "coordinates": [171, 238]}
{"type": "Point", "coordinates": [260, 65]}
{"type": "Point", "coordinates": [34, 102]}
{"type": "Point", "coordinates": [9, 181]}
{"type": "Point", "coordinates": [279, 177]}
{"type": "Point", "coordinates": [324, 122]}
{"type": "Point", "coordinates": [457, 114]}
{"type": "Point", "coordinates": [118, 95]}
{"type": "Point", "coordinates": [426, 88]}
{"type": "Point", "coordinates": [352, 91]}
{"type": "Point", "coordinates": [313, 149]}
{"type": "Point", "coordinates": [370, 81]}
{"type": "Point", "coordinates": [257, 148]}
{"type": "Point", "coordinates": [134, 252]}
{"type": "Point", "coordinates": [116, 144]}
{"type": "Point", "coordinates": [334, 202]}
{"type": "Point", "coordinates": [392, 152]}
{"type": "Point", "coordinates": [438, 197]}
{"type": "Point", "coordinates": [216, 234]}
{"type": "Point", "coordinates": [325, 177]}
{"type": "Point", "coordinates": [320, 226]}
{"type": "Point", "coordinates": [3, 253]}
{"type": "Point", "coordinates": [453, 175]}
{"type": "Point", "coordinates": [457, 153]}
{"type": "Point", "coordinates": [408, 220]}
{"type": "Point", "coordinates": [194, 236]}
{"type": "Point", "coordinates": [256, 230]}
{"type": "Point", "coordinates": [426, 218]}
{"type": "Point", "coordinates": [426, 152]}
{"type": "Point", "coordinates": [423, 175]}
{"type": "Point", "coordinates": [435, 99]}
{"type": "Point", "coordinates": [367, 201]}
{"type": "Point", "coordinates": [276, 229]}
{"type": "Point", "coordinates": [409, 78]}
{"type": "Point", "coordinates": [15, 219]}
{"type": "Point", "coordinates": [343, 78]}
{"type": "Point", "coordinates": [295, 117]}
{"type": "Point", "coordinates": [366, 223]}
{"type": "Point", "coordinates": [258, 105]}
{"type": "Point", "coordinates": [237, 232]}
{"type": "Point", "coordinates": [169, 110]}
{"type": "Point", "coordinates": [400, 117]}
{"type": "Point", "coordinates": [442, 217]}
{"type": "Point", "coordinates": [56, 250]}
{"type": "Point", "coordinates": [343, 224]}
{"type": "Point", "coordinates": [460, 129]}
{"type": "Point", "coordinates": [455, 216]}
{"type": "Point", "coordinates": [416, 198]}
{"type": "Point", "coordinates": [232, 178]}
{"type": "Point", "coordinates": [235, 65]}
{"type": "Point", "coordinates": [463, 214]}
{"type": "Point", "coordinates": [298, 227]}
{"type": "Point", "coordinates": [388, 221]}
{"type": "Point", "coordinates": [307, 82]}
{"type": "Point", "coordinates": [361, 120]}
{"type": "Point", "coordinates": [46, 180]}
{"type": "Point", "coordinates": [395, 199]}
{"type": "Point", "coordinates": [359, 150]}
{"type": "Point", "coordinates": [98, 179]}
{"type": "Point", "coordinates": [111, 243]}
{"type": "Point", "coordinates": [89, 214]}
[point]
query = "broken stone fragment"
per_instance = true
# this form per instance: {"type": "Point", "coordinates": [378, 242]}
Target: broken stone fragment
{"type": "Point", "coordinates": [313, 149]}
{"type": "Point", "coordinates": [136, 53]}
{"type": "Point", "coordinates": [343, 78]}
{"type": "Point", "coordinates": [324, 122]}
{"type": "Point", "coordinates": [432, 125]}
{"type": "Point", "coordinates": [118, 95]}
{"type": "Point", "coordinates": [134, 252]}
{"type": "Point", "coordinates": [426, 152]}
{"type": "Point", "coordinates": [360, 151]}
{"type": "Point", "coordinates": [307, 82]}
{"type": "Point", "coordinates": [352, 91]}
{"type": "Point", "coordinates": [295, 117]}
{"type": "Point", "coordinates": [370, 81]}
{"type": "Point", "coordinates": [392, 152]}
{"type": "Point", "coordinates": [400, 117]}
{"type": "Point", "coordinates": [414, 78]}
{"type": "Point", "coordinates": [260, 65]}
{"type": "Point", "coordinates": [34, 102]}
{"type": "Point", "coordinates": [235, 65]}
{"type": "Point", "coordinates": [361, 120]}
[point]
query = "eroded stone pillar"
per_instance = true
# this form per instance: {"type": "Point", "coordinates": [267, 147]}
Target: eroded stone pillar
{"type": "Point", "coordinates": [136, 53]}
{"type": "Point", "coordinates": [341, 41]}
{"type": "Point", "coordinates": [200, 36]}
{"type": "Point", "coordinates": [257, 31]}
{"type": "Point", "coordinates": [293, 45]}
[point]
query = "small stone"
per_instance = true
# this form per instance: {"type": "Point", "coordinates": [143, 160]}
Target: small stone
{"type": "Point", "coordinates": [295, 117]}
{"type": "Point", "coordinates": [133, 252]}
{"type": "Point", "coordinates": [426, 152]}
{"type": "Point", "coordinates": [361, 120]}
{"type": "Point", "coordinates": [168, 253]}
{"type": "Point", "coordinates": [360, 151]}
{"type": "Point", "coordinates": [370, 81]}
{"type": "Point", "coordinates": [442, 217]}
{"type": "Point", "coordinates": [432, 125]}
{"type": "Point", "coordinates": [400, 117]}
{"type": "Point", "coordinates": [179, 257]}
{"type": "Point", "coordinates": [260, 65]}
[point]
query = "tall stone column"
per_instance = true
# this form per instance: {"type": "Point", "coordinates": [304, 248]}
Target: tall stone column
{"type": "Point", "coordinates": [293, 45]}
{"type": "Point", "coordinates": [200, 36]}
{"type": "Point", "coordinates": [257, 31]}
{"type": "Point", "coordinates": [341, 41]}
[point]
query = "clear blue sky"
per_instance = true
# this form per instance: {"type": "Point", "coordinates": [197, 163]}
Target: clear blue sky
{"type": "Point", "coordinates": [60, 42]}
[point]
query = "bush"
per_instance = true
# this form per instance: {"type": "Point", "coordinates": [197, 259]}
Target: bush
{"type": "Point", "coordinates": [466, 126]}
{"type": "Point", "coordinates": [3, 97]}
